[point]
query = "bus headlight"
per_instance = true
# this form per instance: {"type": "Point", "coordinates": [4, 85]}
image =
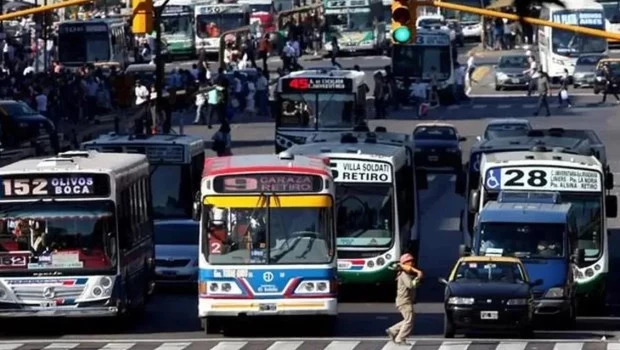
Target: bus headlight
{"type": "Point", "coordinates": [380, 262]}
{"type": "Point", "coordinates": [223, 288]}
{"type": "Point", "coordinates": [557, 292]}
{"type": "Point", "coordinates": [98, 288]}
{"type": "Point", "coordinates": [311, 287]}
{"type": "Point", "coordinates": [589, 273]}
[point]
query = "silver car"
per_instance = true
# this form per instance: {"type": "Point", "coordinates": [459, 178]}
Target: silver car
{"type": "Point", "coordinates": [509, 72]}
{"type": "Point", "coordinates": [176, 251]}
{"type": "Point", "coordinates": [506, 127]}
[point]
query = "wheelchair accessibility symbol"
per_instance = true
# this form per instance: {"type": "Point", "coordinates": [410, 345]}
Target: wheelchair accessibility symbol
{"type": "Point", "coordinates": [493, 180]}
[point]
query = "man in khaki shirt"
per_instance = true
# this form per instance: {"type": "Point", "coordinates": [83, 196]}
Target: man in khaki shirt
{"type": "Point", "coordinates": [407, 281]}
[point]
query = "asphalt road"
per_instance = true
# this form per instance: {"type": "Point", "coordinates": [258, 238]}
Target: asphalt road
{"type": "Point", "coordinates": [170, 321]}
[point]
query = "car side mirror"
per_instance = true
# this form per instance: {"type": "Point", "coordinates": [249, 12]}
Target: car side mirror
{"type": "Point", "coordinates": [442, 281]}
{"type": "Point", "coordinates": [462, 139]}
{"type": "Point", "coordinates": [609, 180]}
{"type": "Point", "coordinates": [537, 282]}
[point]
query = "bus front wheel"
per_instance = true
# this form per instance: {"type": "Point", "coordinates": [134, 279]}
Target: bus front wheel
{"type": "Point", "coordinates": [211, 325]}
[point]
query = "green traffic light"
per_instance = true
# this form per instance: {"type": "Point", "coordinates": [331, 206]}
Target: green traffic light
{"type": "Point", "coordinates": [402, 35]}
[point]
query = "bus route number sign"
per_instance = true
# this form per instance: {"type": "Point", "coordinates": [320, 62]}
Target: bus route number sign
{"type": "Point", "coordinates": [316, 84]}
{"type": "Point", "coordinates": [542, 179]}
{"type": "Point", "coordinates": [55, 185]}
{"type": "Point", "coordinates": [253, 183]}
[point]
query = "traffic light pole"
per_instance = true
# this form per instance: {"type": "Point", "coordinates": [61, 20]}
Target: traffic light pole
{"type": "Point", "coordinates": [160, 64]}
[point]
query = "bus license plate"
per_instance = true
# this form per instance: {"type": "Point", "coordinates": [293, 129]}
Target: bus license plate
{"type": "Point", "coordinates": [488, 315]}
{"type": "Point", "coordinates": [47, 304]}
{"type": "Point", "coordinates": [267, 307]}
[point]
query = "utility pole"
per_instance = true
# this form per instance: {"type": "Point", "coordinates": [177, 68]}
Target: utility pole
{"type": "Point", "coordinates": [160, 64]}
{"type": "Point", "coordinates": [44, 30]}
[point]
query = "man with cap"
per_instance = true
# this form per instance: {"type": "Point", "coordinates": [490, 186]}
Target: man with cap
{"type": "Point", "coordinates": [407, 281]}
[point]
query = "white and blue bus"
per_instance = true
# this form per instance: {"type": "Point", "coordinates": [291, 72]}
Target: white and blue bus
{"type": "Point", "coordinates": [267, 239]}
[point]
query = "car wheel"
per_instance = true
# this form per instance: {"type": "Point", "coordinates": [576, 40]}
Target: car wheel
{"type": "Point", "coordinates": [448, 328]}
{"type": "Point", "coordinates": [497, 87]}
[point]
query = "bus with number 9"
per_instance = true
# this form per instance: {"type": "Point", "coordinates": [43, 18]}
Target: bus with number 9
{"type": "Point", "coordinates": [267, 239]}
{"type": "Point", "coordinates": [76, 236]}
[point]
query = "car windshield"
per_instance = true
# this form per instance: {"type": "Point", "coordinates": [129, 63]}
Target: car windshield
{"type": "Point", "coordinates": [57, 235]}
{"type": "Point", "coordinates": [513, 62]}
{"type": "Point", "coordinates": [365, 215]}
{"type": "Point", "coordinates": [589, 60]}
{"type": "Point", "coordinates": [522, 240]}
{"type": "Point", "coordinates": [171, 191]}
{"type": "Point", "coordinates": [176, 234]}
{"type": "Point", "coordinates": [269, 236]}
{"type": "Point", "coordinates": [429, 22]}
{"type": "Point", "coordinates": [477, 272]}
{"type": "Point", "coordinates": [615, 67]}
{"type": "Point", "coordinates": [434, 133]}
{"type": "Point", "coordinates": [17, 109]}
{"type": "Point", "coordinates": [506, 130]}
{"type": "Point", "coordinates": [310, 111]}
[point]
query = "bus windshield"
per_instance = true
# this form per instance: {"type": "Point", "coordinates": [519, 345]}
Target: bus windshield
{"type": "Point", "coordinates": [269, 236]}
{"type": "Point", "coordinates": [212, 25]}
{"type": "Point", "coordinates": [587, 207]}
{"type": "Point", "coordinates": [84, 47]}
{"type": "Point", "coordinates": [261, 7]}
{"type": "Point", "coordinates": [365, 215]}
{"type": "Point", "coordinates": [571, 44]}
{"type": "Point", "coordinates": [358, 19]}
{"type": "Point", "coordinates": [171, 191]}
{"type": "Point", "coordinates": [417, 61]}
{"type": "Point", "coordinates": [334, 111]}
{"type": "Point", "coordinates": [522, 240]}
{"type": "Point", "coordinates": [176, 24]}
{"type": "Point", "coordinates": [57, 235]}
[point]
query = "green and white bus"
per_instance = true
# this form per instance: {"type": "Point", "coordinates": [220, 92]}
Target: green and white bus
{"type": "Point", "coordinates": [376, 206]}
{"type": "Point", "coordinates": [359, 25]}
{"type": "Point", "coordinates": [581, 181]}
{"type": "Point", "coordinates": [177, 22]}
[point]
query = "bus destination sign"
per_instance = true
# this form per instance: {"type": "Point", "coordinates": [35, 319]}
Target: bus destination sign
{"type": "Point", "coordinates": [316, 84]}
{"type": "Point", "coordinates": [348, 170]}
{"type": "Point", "coordinates": [252, 183]}
{"type": "Point", "coordinates": [83, 28]}
{"type": "Point", "coordinates": [55, 185]}
{"type": "Point", "coordinates": [580, 18]}
{"type": "Point", "coordinates": [543, 179]}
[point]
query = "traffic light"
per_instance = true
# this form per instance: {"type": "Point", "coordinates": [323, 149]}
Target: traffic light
{"type": "Point", "coordinates": [401, 21]}
{"type": "Point", "coordinates": [142, 16]}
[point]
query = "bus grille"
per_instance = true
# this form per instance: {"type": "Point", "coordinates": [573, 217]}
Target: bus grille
{"type": "Point", "coordinates": [35, 294]}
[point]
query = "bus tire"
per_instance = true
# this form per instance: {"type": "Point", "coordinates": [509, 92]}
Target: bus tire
{"type": "Point", "coordinates": [211, 325]}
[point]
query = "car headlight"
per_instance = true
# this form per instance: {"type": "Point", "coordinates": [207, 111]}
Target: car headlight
{"type": "Point", "coordinates": [98, 288]}
{"type": "Point", "coordinates": [460, 301]}
{"type": "Point", "coordinates": [517, 302]}
{"type": "Point", "coordinates": [223, 288]}
{"type": "Point", "coordinates": [501, 76]}
{"type": "Point", "coordinates": [313, 287]}
{"type": "Point", "coordinates": [557, 292]}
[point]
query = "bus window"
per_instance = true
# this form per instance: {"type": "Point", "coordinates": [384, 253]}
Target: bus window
{"type": "Point", "coordinates": [172, 193]}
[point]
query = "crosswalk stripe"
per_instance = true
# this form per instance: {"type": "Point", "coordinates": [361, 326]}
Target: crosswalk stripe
{"type": "Point", "coordinates": [455, 345]}
{"type": "Point", "coordinates": [64, 346]}
{"type": "Point", "coordinates": [118, 346]}
{"type": "Point", "coordinates": [342, 345]}
{"type": "Point", "coordinates": [511, 346]}
{"type": "Point", "coordinates": [173, 346]}
{"type": "Point", "coordinates": [568, 346]}
{"type": "Point", "coordinates": [11, 346]}
{"type": "Point", "coordinates": [504, 106]}
{"type": "Point", "coordinates": [613, 346]}
{"type": "Point", "coordinates": [285, 345]}
{"type": "Point", "coordinates": [479, 106]}
{"type": "Point", "coordinates": [394, 346]}
{"type": "Point", "coordinates": [230, 345]}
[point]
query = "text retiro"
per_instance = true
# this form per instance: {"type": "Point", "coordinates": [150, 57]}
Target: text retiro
{"type": "Point", "coordinates": [285, 184]}
{"type": "Point", "coordinates": [370, 172]}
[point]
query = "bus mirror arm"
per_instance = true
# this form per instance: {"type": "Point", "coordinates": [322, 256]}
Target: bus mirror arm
{"type": "Point", "coordinates": [474, 201]}
{"type": "Point", "coordinates": [611, 206]}
{"type": "Point", "coordinates": [578, 256]}
{"type": "Point", "coordinates": [609, 180]}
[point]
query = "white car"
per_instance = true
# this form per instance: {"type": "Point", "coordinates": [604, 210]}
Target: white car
{"type": "Point", "coordinates": [472, 30]}
{"type": "Point", "coordinates": [509, 127]}
{"type": "Point", "coordinates": [176, 251]}
{"type": "Point", "coordinates": [435, 22]}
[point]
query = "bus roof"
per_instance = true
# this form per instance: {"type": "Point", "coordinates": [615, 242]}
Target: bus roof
{"type": "Point", "coordinates": [542, 158]}
{"type": "Point", "coordinates": [382, 137]}
{"type": "Point", "coordinates": [574, 5]}
{"type": "Point", "coordinates": [530, 213]}
{"type": "Point", "coordinates": [78, 161]}
{"type": "Point", "coordinates": [156, 147]}
{"type": "Point", "coordinates": [283, 162]}
{"type": "Point", "coordinates": [393, 154]}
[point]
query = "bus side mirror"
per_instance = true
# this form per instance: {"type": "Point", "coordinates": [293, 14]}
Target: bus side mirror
{"type": "Point", "coordinates": [421, 180]}
{"type": "Point", "coordinates": [578, 256]}
{"type": "Point", "coordinates": [443, 281]}
{"type": "Point", "coordinates": [459, 184]}
{"type": "Point", "coordinates": [196, 207]}
{"type": "Point", "coordinates": [464, 250]}
{"type": "Point", "coordinates": [609, 180]}
{"type": "Point", "coordinates": [474, 201]}
{"type": "Point", "coordinates": [611, 206]}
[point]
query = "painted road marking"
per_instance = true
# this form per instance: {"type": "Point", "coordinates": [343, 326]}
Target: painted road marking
{"type": "Point", "coordinates": [511, 346]}
{"type": "Point", "coordinates": [285, 345]}
{"type": "Point", "coordinates": [63, 346]}
{"type": "Point", "coordinates": [118, 346]}
{"type": "Point", "coordinates": [230, 345]}
{"type": "Point", "coordinates": [173, 346]}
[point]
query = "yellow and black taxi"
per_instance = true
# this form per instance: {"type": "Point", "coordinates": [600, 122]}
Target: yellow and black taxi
{"type": "Point", "coordinates": [488, 293]}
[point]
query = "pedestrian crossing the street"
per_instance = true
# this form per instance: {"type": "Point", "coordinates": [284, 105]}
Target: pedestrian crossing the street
{"type": "Point", "coordinates": [319, 344]}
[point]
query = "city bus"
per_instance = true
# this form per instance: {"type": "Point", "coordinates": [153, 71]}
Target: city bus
{"type": "Point", "coordinates": [612, 19]}
{"type": "Point", "coordinates": [263, 14]}
{"type": "Point", "coordinates": [267, 239]}
{"type": "Point", "coordinates": [584, 142]}
{"type": "Point", "coordinates": [177, 22]}
{"type": "Point", "coordinates": [176, 167]}
{"type": "Point", "coordinates": [212, 20]}
{"type": "Point", "coordinates": [76, 234]}
{"type": "Point", "coordinates": [358, 25]}
{"type": "Point", "coordinates": [376, 204]}
{"type": "Point", "coordinates": [580, 180]}
{"type": "Point", "coordinates": [318, 100]}
{"type": "Point", "coordinates": [560, 49]}
{"type": "Point", "coordinates": [93, 41]}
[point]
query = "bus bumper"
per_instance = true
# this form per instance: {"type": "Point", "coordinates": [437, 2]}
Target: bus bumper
{"type": "Point", "coordinates": [267, 307]}
{"type": "Point", "coordinates": [69, 312]}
